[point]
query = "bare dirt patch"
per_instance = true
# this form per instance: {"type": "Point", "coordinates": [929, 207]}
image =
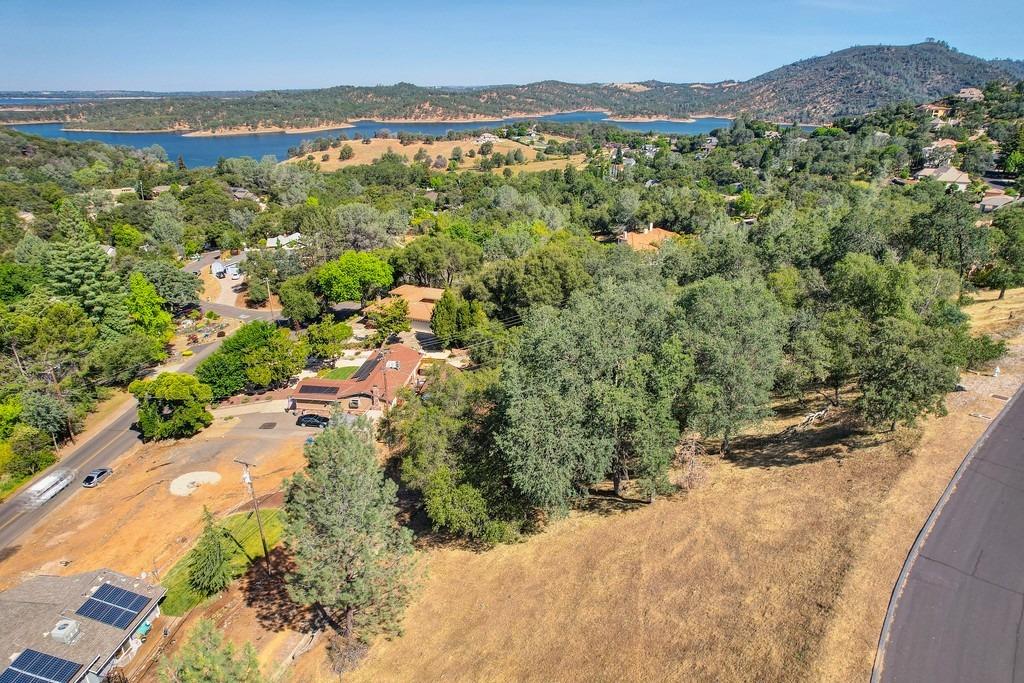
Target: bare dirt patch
{"type": "Point", "coordinates": [132, 523]}
{"type": "Point", "coordinates": [189, 483]}
{"type": "Point", "coordinates": [365, 153]}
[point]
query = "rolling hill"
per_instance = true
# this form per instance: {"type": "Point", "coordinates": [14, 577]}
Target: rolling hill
{"type": "Point", "coordinates": [851, 81]}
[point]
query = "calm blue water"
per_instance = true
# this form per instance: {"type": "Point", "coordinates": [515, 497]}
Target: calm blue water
{"type": "Point", "coordinates": [206, 151]}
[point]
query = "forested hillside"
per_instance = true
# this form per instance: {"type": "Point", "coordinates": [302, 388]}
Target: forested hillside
{"type": "Point", "coordinates": [848, 82]}
{"type": "Point", "coordinates": [850, 281]}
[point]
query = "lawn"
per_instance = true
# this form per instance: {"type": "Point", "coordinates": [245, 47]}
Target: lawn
{"type": "Point", "coordinates": [344, 372]}
{"type": "Point", "coordinates": [244, 549]}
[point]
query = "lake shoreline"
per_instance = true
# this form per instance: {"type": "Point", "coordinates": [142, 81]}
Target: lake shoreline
{"type": "Point", "coordinates": [206, 150]}
{"type": "Point", "coordinates": [264, 130]}
{"type": "Point", "coordinates": [649, 119]}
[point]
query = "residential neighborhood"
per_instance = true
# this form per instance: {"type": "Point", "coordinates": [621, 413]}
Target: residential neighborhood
{"type": "Point", "coordinates": [326, 360]}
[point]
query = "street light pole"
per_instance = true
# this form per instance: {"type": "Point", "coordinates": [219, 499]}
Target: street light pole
{"type": "Point", "coordinates": [256, 507]}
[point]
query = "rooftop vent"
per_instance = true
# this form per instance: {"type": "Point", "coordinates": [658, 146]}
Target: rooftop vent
{"type": "Point", "coordinates": [65, 631]}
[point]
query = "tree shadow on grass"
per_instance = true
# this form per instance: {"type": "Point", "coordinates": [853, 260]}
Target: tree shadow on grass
{"type": "Point", "coordinates": [268, 595]}
{"type": "Point", "coordinates": [835, 440]}
{"type": "Point", "coordinates": [605, 502]}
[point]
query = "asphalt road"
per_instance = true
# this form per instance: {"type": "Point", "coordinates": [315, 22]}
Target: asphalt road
{"type": "Point", "coordinates": [958, 614]}
{"type": "Point", "coordinates": [100, 449]}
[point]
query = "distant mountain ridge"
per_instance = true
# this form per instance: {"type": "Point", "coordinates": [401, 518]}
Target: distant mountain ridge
{"type": "Point", "coordinates": [816, 90]}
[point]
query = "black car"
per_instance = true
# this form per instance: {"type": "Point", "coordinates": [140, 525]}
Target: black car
{"type": "Point", "coordinates": [94, 478]}
{"type": "Point", "coordinates": [313, 421]}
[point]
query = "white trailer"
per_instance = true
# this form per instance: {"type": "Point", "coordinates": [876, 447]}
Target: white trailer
{"type": "Point", "coordinates": [48, 487]}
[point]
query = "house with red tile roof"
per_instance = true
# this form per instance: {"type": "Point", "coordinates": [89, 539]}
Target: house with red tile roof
{"type": "Point", "coordinates": [646, 240]}
{"type": "Point", "coordinates": [421, 302]}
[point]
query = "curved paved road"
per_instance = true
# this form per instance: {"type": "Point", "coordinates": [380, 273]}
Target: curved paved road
{"type": "Point", "coordinates": [99, 449]}
{"type": "Point", "coordinates": [958, 612]}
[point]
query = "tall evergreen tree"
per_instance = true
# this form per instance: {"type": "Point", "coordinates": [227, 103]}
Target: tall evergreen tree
{"type": "Point", "coordinates": [352, 559]}
{"type": "Point", "coordinates": [208, 569]}
{"type": "Point", "coordinates": [80, 269]}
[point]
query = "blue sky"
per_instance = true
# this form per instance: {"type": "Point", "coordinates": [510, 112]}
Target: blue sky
{"type": "Point", "coordinates": [190, 45]}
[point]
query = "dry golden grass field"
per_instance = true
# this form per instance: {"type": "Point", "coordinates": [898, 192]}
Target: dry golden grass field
{"type": "Point", "coordinates": [365, 153]}
{"type": "Point", "coordinates": [778, 568]}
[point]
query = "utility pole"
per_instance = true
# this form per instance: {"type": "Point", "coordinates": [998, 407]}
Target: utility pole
{"type": "Point", "coordinates": [256, 507]}
{"type": "Point", "coordinates": [270, 301]}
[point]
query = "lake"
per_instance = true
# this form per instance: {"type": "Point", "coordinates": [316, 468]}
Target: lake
{"type": "Point", "coordinates": [205, 151]}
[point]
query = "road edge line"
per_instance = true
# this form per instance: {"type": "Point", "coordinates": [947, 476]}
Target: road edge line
{"type": "Point", "coordinates": [922, 534]}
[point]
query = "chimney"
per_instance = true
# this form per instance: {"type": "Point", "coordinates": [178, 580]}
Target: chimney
{"type": "Point", "coordinates": [650, 226]}
{"type": "Point", "coordinates": [374, 396]}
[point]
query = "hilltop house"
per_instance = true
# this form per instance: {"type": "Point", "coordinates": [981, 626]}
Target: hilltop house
{"type": "Point", "coordinates": [66, 629]}
{"type": "Point", "coordinates": [371, 390]}
{"type": "Point", "coordinates": [240, 193]}
{"type": "Point", "coordinates": [996, 200]}
{"type": "Point", "coordinates": [648, 239]}
{"type": "Point", "coordinates": [940, 152]}
{"type": "Point", "coordinates": [937, 110]}
{"type": "Point", "coordinates": [421, 302]}
{"type": "Point", "coordinates": [970, 95]}
{"type": "Point", "coordinates": [949, 175]}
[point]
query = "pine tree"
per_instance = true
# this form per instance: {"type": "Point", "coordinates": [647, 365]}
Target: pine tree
{"type": "Point", "coordinates": [81, 270]}
{"type": "Point", "coordinates": [206, 658]}
{"type": "Point", "coordinates": [352, 559]}
{"type": "Point", "coordinates": [71, 224]}
{"type": "Point", "coordinates": [208, 569]}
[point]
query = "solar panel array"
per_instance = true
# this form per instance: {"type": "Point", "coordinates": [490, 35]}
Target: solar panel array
{"type": "Point", "coordinates": [36, 667]}
{"type": "Point", "coordinates": [113, 606]}
{"type": "Point", "coordinates": [315, 389]}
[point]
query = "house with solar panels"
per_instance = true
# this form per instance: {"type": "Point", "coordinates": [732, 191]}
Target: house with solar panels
{"type": "Point", "coordinates": [66, 629]}
{"type": "Point", "coordinates": [372, 390]}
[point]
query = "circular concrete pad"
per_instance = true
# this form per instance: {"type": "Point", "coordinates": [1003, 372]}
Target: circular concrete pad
{"type": "Point", "coordinates": [186, 484]}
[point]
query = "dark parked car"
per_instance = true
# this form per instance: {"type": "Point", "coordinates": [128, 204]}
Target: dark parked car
{"type": "Point", "coordinates": [94, 478]}
{"type": "Point", "coordinates": [313, 421]}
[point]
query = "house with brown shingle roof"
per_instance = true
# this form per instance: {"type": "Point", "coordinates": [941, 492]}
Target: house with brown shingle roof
{"type": "Point", "coordinates": [372, 389]}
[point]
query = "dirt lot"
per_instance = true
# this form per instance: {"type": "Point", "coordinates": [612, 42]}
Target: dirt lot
{"type": "Point", "coordinates": [778, 568]}
{"type": "Point", "coordinates": [134, 524]}
{"type": "Point", "coordinates": [365, 153]}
